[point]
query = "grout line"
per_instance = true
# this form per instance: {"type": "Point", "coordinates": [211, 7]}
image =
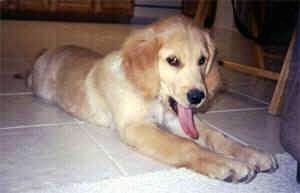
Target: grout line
{"type": "Point", "coordinates": [109, 156]}
{"type": "Point", "coordinates": [78, 121]}
{"type": "Point", "coordinates": [225, 133]}
{"type": "Point", "coordinates": [38, 125]}
{"type": "Point", "coordinates": [16, 94]}
{"type": "Point", "coordinates": [248, 96]}
{"type": "Point", "coordinates": [237, 110]}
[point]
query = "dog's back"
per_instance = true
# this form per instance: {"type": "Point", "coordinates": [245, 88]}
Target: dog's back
{"type": "Point", "coordinates": [51, 66]}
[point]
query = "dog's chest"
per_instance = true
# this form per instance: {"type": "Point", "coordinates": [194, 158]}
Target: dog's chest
{"type": "Point", "coordinates": [164, 118]}
{"type": "Point", "coordinates": [155, 113]}
{"type": "Point", "coordinates": [159, 114]}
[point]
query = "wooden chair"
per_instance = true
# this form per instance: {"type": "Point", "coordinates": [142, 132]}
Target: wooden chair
{"type": "Point", "coordinates": [281, 78]}
{"type": "Point", "coordinates": [256, 66]}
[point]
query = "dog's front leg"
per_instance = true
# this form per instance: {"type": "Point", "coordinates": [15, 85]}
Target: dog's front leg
{"type": "Point", "coordinates": [161, 145]}
{"type": "Point", "coordinates": [220, 143]}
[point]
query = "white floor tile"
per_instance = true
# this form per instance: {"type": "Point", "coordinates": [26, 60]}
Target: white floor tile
{"type": "Point", "coordinates": [227, 101]}
{"type": "Point", "coordinates": [256, 128]}
{"type": "Point", "coordinates": [130, 160]}
{"type": "Point", "coordinates": [29, 110]}
{"type": "Point", "coordinates": [34, 158]}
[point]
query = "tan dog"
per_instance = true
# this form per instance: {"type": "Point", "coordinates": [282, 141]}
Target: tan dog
{"type": "Point", "coordinates": [159, 79]}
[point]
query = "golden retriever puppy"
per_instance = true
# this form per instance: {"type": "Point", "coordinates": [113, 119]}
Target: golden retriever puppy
{"type": "Point", "coordinates": [150, 90]}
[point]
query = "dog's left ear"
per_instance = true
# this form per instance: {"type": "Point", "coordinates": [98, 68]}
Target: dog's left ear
{"type": "Point", "coordinates": [212, 52]}
{"type": "Point", "coordinates": [139, 60]}
{"type": "Point", "coordinates": [212, 75]}
{"type": "Point", "coordinates": [213, 81]}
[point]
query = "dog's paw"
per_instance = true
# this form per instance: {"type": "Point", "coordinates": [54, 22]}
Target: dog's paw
{"type": "Point", "coordinates": [229, 171]}
{"type": "Point", "coordinates": [262, 161]}
{"type": "Point", "coordinates": [241, 172]}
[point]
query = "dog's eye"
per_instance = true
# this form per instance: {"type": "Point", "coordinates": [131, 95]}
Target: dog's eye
{"type": "Point", "coordinates": [173, 61]}
{"type": "Point", "coordinates": [202, 60]}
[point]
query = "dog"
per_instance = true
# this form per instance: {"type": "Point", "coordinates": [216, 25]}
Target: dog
{"type": "Point", "coordinates": [150, 91]}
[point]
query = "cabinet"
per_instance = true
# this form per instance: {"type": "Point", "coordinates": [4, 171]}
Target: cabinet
{"type": "Point", "coordinates": [74, 10]}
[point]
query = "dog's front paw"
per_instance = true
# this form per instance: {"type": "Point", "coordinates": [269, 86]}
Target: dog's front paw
{"type": "Point", "coordinates": [241, 172]}
{"type": "Point", "coordinates": [226, 170]}
{"type": "Point", "coordinates": [262, 161]}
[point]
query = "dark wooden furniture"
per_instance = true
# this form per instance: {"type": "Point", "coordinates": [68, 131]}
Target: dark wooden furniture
{"type": "Point", "coordinates": [68, 10]}
{"type": "Point", "coordinates": [203, 11]}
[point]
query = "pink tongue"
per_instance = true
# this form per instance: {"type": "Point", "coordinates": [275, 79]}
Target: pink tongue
{"type": "Point", "coordinates": [187, 122]}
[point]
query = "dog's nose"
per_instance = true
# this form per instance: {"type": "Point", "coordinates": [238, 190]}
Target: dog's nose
{"type": "Point", "coordinates": [195, 96]}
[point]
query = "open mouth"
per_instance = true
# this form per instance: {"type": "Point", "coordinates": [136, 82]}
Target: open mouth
{"type": "Point", "coordinates": [173, 104]}
{"type": "Point", "coordinates": [186, 118]}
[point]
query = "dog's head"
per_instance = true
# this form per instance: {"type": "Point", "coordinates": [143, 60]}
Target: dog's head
{"type": "Point", "coordinates": [173, 59]}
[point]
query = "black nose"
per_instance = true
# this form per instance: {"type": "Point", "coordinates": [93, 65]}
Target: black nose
{"type": "Point", "coordinates": [195, 96]}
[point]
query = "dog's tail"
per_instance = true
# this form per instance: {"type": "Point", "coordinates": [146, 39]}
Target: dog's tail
{"type": "Point", "coordinates": [27, 74]}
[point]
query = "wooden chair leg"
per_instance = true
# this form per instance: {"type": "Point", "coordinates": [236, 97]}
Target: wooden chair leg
{"type": "Point", "coordinates": [260, 56]}
{"type": "Point", "coordinates": [201, 13]}
{"type": "Point", "coordinates": [277, 98]}
{"type": "Point", "coordinates": [257, 48]}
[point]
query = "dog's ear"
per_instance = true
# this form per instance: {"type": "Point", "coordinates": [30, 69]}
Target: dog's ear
{"type": "Point", "coordinates": [139, 60]}
{"type": "Point", "coordinates": [211, 51]}
{"type": "Point", "coordinates": [213, 81]}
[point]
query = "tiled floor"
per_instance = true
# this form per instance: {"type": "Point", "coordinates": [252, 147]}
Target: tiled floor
{"type": "Point", "coordinates": [41, 146]}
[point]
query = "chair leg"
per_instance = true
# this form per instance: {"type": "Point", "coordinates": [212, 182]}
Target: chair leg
{"type": "Point", "coordinates": [277, 99]}
{"type": "Point", "coordinates": [201, 13]}
{"type": "Point", "coordinates": [298, 172]}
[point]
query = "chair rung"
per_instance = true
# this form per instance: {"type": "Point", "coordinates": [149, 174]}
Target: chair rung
{"type": "Point", "coordinates": [250, 70]}
{"type": "Point", "coordinates": [274, 56]}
